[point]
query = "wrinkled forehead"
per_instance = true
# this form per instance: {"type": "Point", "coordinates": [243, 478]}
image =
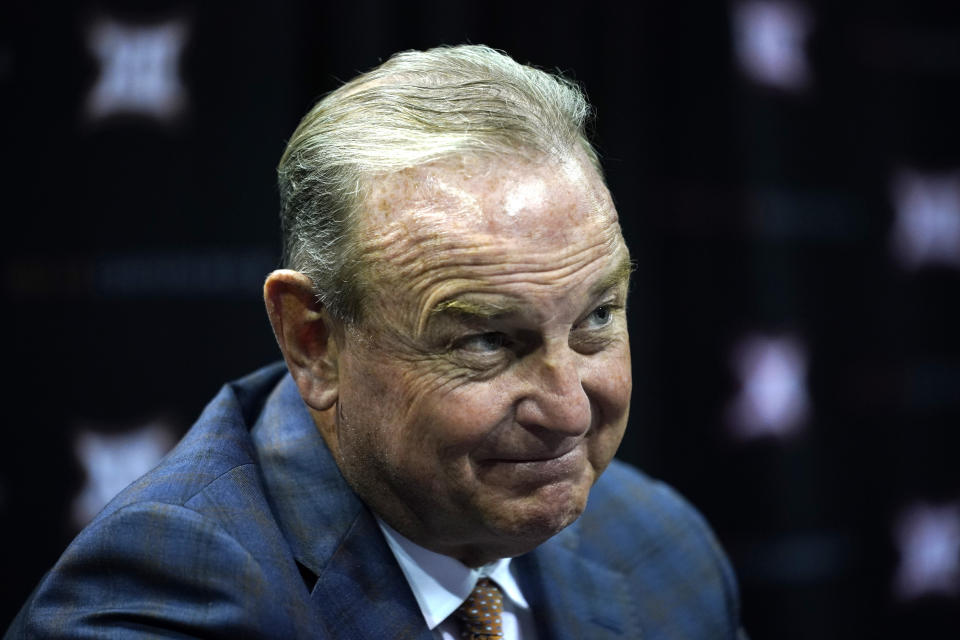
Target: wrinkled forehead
{"type": "Point", "coordinates": [515, 197]}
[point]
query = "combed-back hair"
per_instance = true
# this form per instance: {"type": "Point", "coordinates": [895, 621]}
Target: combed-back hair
{"type": "Point", "coordinates": [417, 107]}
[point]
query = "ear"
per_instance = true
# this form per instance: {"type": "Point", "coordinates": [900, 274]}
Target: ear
{"type": "Point", "coordinates": [305, 332]}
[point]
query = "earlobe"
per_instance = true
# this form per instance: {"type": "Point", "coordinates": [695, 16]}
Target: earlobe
{"type": "Point", "coordinates": [305, 333]}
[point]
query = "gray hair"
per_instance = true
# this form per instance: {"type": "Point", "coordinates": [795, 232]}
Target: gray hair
{"type": "Point", "coordinates": [416, 108]}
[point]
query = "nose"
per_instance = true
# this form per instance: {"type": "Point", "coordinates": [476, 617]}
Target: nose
{"type": "Point", "coordinates": [555, 398]}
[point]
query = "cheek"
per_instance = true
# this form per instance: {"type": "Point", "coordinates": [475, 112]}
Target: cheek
{"type": "Point", "coordinates": [609, 380]}
{"type": "Point", "coordinates": [413, 413]}
{"type": "Point", "coordinates": [611, 389]}
{"type": "Point", "coordinates": [372, 409]}
{"type": "Point", "coordinates": [621, 384]}
{"type": "Point", "coordinates": [462, 418]}
{"type": "Point", "coordinates": [383, 386]}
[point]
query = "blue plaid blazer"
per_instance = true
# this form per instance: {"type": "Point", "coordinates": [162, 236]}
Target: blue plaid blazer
{"type": "Point", "coordinates": [248, 530]}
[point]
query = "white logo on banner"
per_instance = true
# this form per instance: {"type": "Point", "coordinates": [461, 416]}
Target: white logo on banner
{"type": "Point", "coordinates": [139, 69]}
{"type": "Point", "coordinates": [773, 398]}
{"type": "Point", "coordinates": [769, 40]}
{"type": "Point", "coordinates": [927, 226]}
{"type": "Point", "coordinates": [112, 461]}
{"type": "Point", "coordinates": [929, 541]}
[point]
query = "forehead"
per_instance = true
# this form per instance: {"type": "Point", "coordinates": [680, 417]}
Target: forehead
{"type": "Point", "coordinates": [503, 196]}
{"type": "Point", "coordinates": [484, 222]}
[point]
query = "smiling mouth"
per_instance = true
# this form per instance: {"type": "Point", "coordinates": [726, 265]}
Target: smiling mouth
{"type": "Point", "coordinates": [533, 458]}
{"type": "Point", "coordinates": [536, 469]}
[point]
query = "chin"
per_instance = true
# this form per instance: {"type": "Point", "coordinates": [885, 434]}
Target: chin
{"type": "Point", "coordinates": [543, 515]}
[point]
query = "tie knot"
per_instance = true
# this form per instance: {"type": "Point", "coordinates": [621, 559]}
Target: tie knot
{"type": "Point", "coordinates": [480, 613]}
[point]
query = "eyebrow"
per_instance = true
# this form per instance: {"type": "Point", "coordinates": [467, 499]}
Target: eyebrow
{"type": "Point", "coordinates": [487, 310]}
{"type": "Point", "coordinates": [621, 274]}
{"type": "Point", "coordinates": [492, 310]}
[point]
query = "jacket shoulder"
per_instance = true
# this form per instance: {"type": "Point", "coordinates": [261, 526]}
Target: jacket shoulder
{"type": "Point", "coordinates": [190, 548]}
{"type": "Point", "coordinates": [645, 529]}
{"type": "Point", "coordinates": [153, 568]}
{"type": "Point", "coordinates": [627, 502]}
{"type": "Point", "coordinates": [218, 443]}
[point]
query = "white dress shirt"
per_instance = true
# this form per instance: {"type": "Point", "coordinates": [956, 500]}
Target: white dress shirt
{"type": "Point", "coordinates": [441, 583]}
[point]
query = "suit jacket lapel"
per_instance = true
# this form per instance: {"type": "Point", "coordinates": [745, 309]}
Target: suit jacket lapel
{"type": "Point", "coordinates": [365, 590]}
{"type": "Point", "coordinates": [572, 597]}
{"type": "Point", "coordinates": [357, 584]}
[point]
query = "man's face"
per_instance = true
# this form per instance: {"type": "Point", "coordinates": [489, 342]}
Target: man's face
{"type": "Point", "coordinates": [489, 383]}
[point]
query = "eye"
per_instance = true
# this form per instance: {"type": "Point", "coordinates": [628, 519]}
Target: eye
{"type": "Point", "coordinates": [599, 317]}
{"type": "Point", "coordinates": [481, 343]}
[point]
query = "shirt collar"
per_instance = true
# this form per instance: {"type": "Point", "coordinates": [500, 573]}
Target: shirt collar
{"type": "Point", "coordinates": [441, 583]}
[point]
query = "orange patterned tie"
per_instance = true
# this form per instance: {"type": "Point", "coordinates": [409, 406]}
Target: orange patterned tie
{"type": "Point", "coordinates": [480, 613]}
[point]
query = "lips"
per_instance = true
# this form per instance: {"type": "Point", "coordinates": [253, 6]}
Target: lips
{"type": "Point", "coordinates": [535, 469]}
{"type": "Point", "coordinates": [523, 457]}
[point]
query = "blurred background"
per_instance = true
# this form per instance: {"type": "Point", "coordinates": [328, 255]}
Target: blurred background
{"type": "Point", "coordinates": [788, 178]}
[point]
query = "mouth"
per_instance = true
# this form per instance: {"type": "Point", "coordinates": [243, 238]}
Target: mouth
{"type": "Point", "coordinates": [531, 456]}
{"type": "Point", "coordinates": [537, 468]}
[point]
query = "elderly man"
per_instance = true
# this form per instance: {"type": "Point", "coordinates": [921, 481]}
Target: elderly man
{"type": "Point", "coordinates": [456, 382]}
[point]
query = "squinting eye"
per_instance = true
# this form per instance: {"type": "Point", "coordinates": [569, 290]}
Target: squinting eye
{"type": "Point", "coordinates": [482, 342]}
{"type": "Point", "coordinates": [600, 316]}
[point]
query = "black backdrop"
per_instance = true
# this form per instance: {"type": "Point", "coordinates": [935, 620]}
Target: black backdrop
{"type": "Point", "coordinates": [764, 206]}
